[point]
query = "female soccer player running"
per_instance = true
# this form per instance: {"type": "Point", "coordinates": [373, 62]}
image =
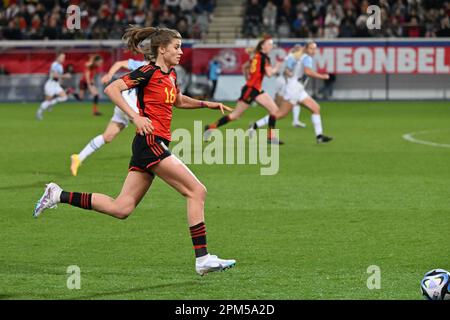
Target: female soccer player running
{"type": "Point", "coordinates": [87, 82]}
{"type": "Point", "coordinates": [280, 85]}
{"type": "Point", "coordinates": [258, 68]}
{"type": "Point", "coordinates": [157, 93]}
{"type": "Point", "coordinates": [295, 93]}
{"type": "Point", "coordinates": [119, 120]}
{"type": "Point", "coordinates": [54, 93]}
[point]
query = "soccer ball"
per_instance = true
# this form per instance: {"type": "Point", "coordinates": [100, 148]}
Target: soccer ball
{"type": "Point", "coordinates": [436, 285]}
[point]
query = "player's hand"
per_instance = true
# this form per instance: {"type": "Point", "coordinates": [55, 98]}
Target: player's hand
{"type": "Point", "coordinates": [143, 125]}
{"type": "Point", "coordinates": [218, 105]}
{"type": "Point", "coordinates": [326, 76]}
{"type": "Point", "coordinates": [106, 78]}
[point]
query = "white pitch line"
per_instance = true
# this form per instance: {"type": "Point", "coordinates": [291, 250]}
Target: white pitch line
{"type": "Point", "coordinates": [410, 137]}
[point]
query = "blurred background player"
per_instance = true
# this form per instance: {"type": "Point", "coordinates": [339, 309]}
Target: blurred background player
{"type": "Point", "coordinates": [252, 91]}
{"type": "Point", "coordinates": [326, 91]}
{"type": "Point", "coordinates": [280, 85]}
{"type": "Point", "coordinates": [88, 82]}
{"type": "Point", "coordinates": [53, 91]}
{"type": "Point", "coordinates": [214, 70]}
{"type": "Point", "coordinates": [295, 92]}
{"type": "Point", "coordinates": [119, 120]}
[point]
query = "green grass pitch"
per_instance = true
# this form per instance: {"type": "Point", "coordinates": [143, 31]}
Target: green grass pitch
{"type": "Point", "coordinates": [309, 232]}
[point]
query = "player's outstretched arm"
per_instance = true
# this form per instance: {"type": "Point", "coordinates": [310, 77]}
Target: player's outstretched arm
{"type": "Point", "coordinates": [66, 75]}
{"type": "Point", "coordinates": [114, 92]}
{"type": "Point", "coordinates": [123, 64]}
{"type": "Point", "coordinates": [185, 102]}
{"type": "Point", "coordinates": [270, 71]}
{"type": "Point", "coordinates": [311, 73]}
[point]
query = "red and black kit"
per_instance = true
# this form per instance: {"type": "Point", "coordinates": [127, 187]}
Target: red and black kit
{"type": "Point", "coordinates": [83, 85]}
{"type": "Point", "coordinates": [253, 86]}
{"type": "Point", "coordinates": [156, 92]}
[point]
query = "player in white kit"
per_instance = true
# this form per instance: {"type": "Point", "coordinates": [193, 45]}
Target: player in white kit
{"type": "Point", "coordinates": [54, 93]}
{"type": "Point", "coordinates": [295, 92]}
{"type": "Point", "coordinates": [119, 120]}
{"type": "Point", "coordinates": [280, 84]}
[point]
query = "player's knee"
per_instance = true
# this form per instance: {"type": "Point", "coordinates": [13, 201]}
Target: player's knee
{"type": "Point", "coordinates": [316, 109]}
{"type": "Point", "coordinates": [123, 210]}
{"type": "Point", "coordinates": [108, 137]}
{"type": "Point", "coordinates": [276, 115]}
{"type": "Point", "coordinates": [233, 117]}
{"type": "Point", "coordinates": [124, 213]}
{"type": "Point", "coordinates": [198, 192]}
{"type": "Point", "coordinates": [122, 216]}
{"type": "Point", "coordinates": [202, 191]}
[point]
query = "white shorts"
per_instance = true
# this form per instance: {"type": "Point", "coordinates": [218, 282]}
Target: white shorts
{"type": "Point", "coordinates": [295, 93]}
{"type": "Point", "coordinates": [119, 116]}
{"type": "Point", "coordinates": [52, 88]}
{"type": "Point", "coordinates": [280, 84]}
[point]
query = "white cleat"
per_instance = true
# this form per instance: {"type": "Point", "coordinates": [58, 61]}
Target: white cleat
{"type": "Point", "coordinates": [40, 114]}
{"type": "Point", "coordinates": [251, 132]}
{"type": "Point", "coordinates": [212, 264]}
{"type": "Point", "coordinates": [49, 199]}
{"type": "Point", "coordinates": [299, 124]}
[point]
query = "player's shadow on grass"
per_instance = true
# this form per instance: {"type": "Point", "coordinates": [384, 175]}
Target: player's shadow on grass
{"type": "Point", "coordinates": [136, 290]}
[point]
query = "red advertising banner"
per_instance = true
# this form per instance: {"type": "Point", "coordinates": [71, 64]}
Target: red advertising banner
{"type": "Point", "coordinates": [342, 59]}
{"type": "Point", "coordinates": [336, 57]}
{"type": "Point", "coordinates": [36, 60]}
{"type": "Point", "coordinates": [381, 60]}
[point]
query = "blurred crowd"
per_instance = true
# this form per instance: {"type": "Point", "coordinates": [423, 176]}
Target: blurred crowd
{"type": "Point", "coordinates": [46, 19]}
{"type": "Point", "coordinates": [346, 18]}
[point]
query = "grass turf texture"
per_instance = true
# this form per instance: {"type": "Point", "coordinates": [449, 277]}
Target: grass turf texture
{"type": "Point", "coordinates": [309, 232]}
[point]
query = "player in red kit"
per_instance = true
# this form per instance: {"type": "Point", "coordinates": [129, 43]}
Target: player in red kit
{"type": "Point", "coordinates": [157, 93]}
{"type": "Point", "coordinates": [87, 81]}
{"type": "Point", "coordinates": [258, 67]}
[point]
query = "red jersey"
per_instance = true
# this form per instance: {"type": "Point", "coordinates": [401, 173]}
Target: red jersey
{"type": "Point", "coordinates": [257, 70]}
{"type": "Point", "coordinates": [156, 93]}
{"type": "Point", "coordinates": [92, 73]}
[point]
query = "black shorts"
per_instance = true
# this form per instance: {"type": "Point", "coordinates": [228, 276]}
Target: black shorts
{"type": "Point", "coordinates": [148, 150]}
{"type": "Point", "coordinates": [83, 85]}
{"type": "Point", "coordinates": [249, 94]}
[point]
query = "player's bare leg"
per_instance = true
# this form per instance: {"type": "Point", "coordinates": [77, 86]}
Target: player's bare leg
{"type": "Point", "coordinates": [237, 112]}
{"type": "Point", "coordinates": [283, 111]}
{"type": "Point", "coordinates": [278, 99]}
{"type": "Point", "coordinates": [81, 94]}
{"type": "Point", "coordinates": [177, 175]}
{"type": "Point", "coordinates": [266, 101]}
{"type": "Point", "coordinates": [316, 120]}
{"type": "Point", "coordinates": [49, 102]}
{"type": "Point", "coordinates": [134, 188]}
{"type": "Point", "coordinates": [95, 95]}
{"type": "Point", "coordinates": [111, 132]}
